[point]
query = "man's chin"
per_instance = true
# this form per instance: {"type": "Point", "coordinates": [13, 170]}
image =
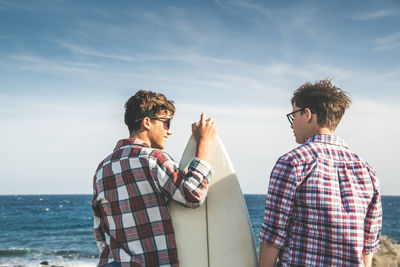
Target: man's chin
{"type": "Point", "coordinates": [158, 146]}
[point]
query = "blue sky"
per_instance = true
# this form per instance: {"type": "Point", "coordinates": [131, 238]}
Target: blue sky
{"type": "Point", "coordinates": [67, 67]}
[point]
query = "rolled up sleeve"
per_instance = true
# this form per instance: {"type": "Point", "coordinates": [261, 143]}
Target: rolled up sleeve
{"type": "Point", "coordinates": [278, 204]}
{"type": "Point", "coordinates": [188, 188]}
{"type": "Point", "coordinates": [373, 219]}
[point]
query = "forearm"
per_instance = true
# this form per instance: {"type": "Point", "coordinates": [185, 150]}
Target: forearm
{"type": "Point", "coordinates": [367, 258]}
{"type": "Point", "coordinates": [202, 150]}
{"type": "Point", "coordinates": [268, 255]}
{"type": "Point", "coordinates": [188, 188]}
{"type": "Point", "coordinates": [98, 233]}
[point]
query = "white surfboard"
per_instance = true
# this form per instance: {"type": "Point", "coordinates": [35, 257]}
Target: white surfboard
{"type": "Point", "coordinates": [219, 233]}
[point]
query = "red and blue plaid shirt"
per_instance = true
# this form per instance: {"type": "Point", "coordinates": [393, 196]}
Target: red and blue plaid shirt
{"type": "Point", "coordinates": [132, 188]}
{"type": "Point", "coordinates": [323, 206]}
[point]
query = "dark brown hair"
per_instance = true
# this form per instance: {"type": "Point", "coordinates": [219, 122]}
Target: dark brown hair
{"type": "Point", "coordinates": [324, 99]}
{"type": "Point", "coordinates": [146, 104]}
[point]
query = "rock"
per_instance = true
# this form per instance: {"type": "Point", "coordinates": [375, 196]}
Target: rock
{"type": "Point", "coordinates": [388, 255]}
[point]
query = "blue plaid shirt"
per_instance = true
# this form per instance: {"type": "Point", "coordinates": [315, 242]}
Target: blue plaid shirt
{"type": "Point", "coordinates": [323, 206]}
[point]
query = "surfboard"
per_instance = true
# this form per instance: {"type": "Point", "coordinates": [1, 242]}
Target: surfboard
{"type": "Point", "coordinates": [218, 233]}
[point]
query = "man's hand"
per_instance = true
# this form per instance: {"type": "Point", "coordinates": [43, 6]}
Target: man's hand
{"type": "Point", "coordinates": [268, 255]}
{"type": "Point", "coordinates": [367, 259]}
{"type": "Point", "coordinates": [204, 132]}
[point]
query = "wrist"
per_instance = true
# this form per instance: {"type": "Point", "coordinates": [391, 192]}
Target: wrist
{"type": "Point", "coordinates": [202, 150]}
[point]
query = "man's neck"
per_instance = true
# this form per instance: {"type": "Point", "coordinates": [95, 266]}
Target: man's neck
{"type": "Point", "coordinates": [140, 135]}
{"type": "Point", "coordinates": [324, 130]}
{"type": "Point", "coordinates": [320, 130]}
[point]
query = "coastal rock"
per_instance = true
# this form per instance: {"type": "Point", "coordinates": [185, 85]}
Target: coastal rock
{"type": "Point", "coordinates": [46, 264]}
{"type": "Point", "coordinates": [388, 255]}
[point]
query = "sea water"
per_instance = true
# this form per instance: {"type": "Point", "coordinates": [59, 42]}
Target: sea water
{"type": "Point", "coordinates": [53, 228]}
{"type": "Point", "coordinates": [58, 228]}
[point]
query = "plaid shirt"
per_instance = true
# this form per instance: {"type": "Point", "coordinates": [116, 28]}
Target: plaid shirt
{"type": "Point", "coordinates": [132, 187]}
{"type": "Point", "coordinates": [323, 206]}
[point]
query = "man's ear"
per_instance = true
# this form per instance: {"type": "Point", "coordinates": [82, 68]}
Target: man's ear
{"type": "Point", "coordinates": [308, 114]}
{"type": "Point", "coordinates": [146, 123]}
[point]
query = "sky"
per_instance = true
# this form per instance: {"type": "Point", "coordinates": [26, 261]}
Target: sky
{"type": "Point", "coordinates": [67, 68]}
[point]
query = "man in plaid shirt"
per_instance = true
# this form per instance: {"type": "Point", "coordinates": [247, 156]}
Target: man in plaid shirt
{"type": "Point", "coordinates": [133, 185]}
{"type": "Point", "coordinates": [323, 206]}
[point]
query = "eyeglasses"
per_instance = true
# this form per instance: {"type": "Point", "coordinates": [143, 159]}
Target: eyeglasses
{"type": "Point", "coordinates": [166, 121]}
{"type": "Point", "coordinates": [290, 116]}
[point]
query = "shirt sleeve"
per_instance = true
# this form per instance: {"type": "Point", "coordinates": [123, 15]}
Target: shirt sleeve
{"type": "Point", "coordinates": [98, 232]}
{"type": "Point", "coordinates": [373, 219]}
{"type": "Point", "coordinates": [188, 188]}
{"type": "Point", "coordinates": [279, 204]}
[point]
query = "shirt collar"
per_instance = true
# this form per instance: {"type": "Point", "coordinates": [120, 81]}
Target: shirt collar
{"type": "Point", "coordinates": [327, 138]}
{"type": "Point", "coordinates": [130, 141]}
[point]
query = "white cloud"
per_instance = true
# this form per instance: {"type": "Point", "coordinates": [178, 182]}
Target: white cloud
{"type": "Point", "coordinates": [238, 6]}
{"type": "Point", "coordinates": [78, 69]}
{"type": "Point", "coordinates": [214, 76]}
{"type": "Point", "coordinates": [388, 42]}
{"type": "Point", "coordinates": [240, 112]}
{"type": "Point", "coordinates": [93, 52]}
{"type": "Point", "coordinates": [43, 64]}
{"type": "Point", "coordinates": [376, 14]}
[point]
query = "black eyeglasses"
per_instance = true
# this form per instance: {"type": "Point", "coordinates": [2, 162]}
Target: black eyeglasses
{"type": "Point", "coordinates": [166, 121]}
{"type": "Point", "coordinates": [290, 116]}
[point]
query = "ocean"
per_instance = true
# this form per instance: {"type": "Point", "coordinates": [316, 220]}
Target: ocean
{"type": "Point", "coordinates": [58, 228]}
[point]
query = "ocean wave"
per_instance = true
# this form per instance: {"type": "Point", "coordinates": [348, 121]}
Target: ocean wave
{"type": "Point", "coordinates": [70, 254]}
{"type": "Point", "coordinates": [55, 262]}
{"type": "Point", "coordinates": [81, 227]}
{"type": "Point", "coordinates": [65, 254]}
{"type": "Point", "coordinates": [15, 252]}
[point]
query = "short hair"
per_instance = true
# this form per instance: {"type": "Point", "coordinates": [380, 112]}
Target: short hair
{"type": "Point", "coordinates": [146, 104]}
{"type": "Point", "coordinates": [324, 99]}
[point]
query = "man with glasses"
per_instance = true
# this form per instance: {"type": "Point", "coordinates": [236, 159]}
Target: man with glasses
{"type": "Point", "coordinates": [133, 185]}
{"type": "Point", "coordinates": [323, 206]}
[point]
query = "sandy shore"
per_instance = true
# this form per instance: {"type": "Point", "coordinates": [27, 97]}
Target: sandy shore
{"type": "Point", "coordinates": [389, 254]}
